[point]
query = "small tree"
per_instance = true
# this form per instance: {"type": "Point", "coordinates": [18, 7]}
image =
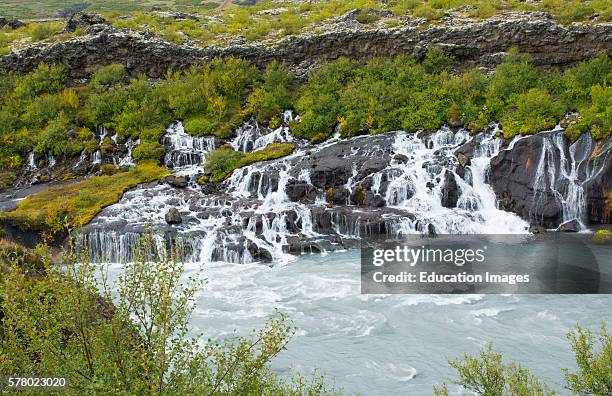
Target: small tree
{"type": "Point", "coordinates": [594, 375]}
{"type": "Point", "coordinates": [487, 375]}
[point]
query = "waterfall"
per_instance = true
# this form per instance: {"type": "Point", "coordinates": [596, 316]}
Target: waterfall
{"type": "Point", "coordinates": [252, 137]}
{"type": "Point", "coordinates": [185, 153]}
{"type": "Point", "coordinates": [127, 160]}
{"type": "Point", "coordinates": [563, 170]}
{"type": "Point", "coordinates": [96, 157]}
{"type": "Point", "coordinates": [32, 162]}
{"type": "Point", "coordinates": [414, 179]}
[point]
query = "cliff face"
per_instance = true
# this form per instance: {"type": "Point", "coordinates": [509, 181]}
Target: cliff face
{"type": "Point", "coordinates": [478, 43]}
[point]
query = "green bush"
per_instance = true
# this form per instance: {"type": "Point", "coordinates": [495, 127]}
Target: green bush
{"type": "Point", "coordinates": [147, 150]}
{"type": "Point", "coordinates": [108, 75]}
{"type": "Point", "coordinates": [437, 61]}
{"type": "Point", "coordinates": [536, 110]}
{"type": "Point", "coordinates": [199, 126]}
{"type": "Point", "coordinates": [133, 337]}
{"type": "Point", "coordinates": [487, 374]}
{"type": "Point", "coordinates": [272, 95]}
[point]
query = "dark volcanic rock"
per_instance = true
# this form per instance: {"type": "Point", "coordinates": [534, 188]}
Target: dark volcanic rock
{"type": "Point", "coordinates": [12, 23]}
{"type": "Point", "coordinates": [83, 20]}
{"type": "Point", "coordinates": [531, 178]}
{"type": "Point", "coordinates": [176, 181]}
{"type": "Point", "coordinates": [300, 191]}
{"type": "Point", "coordinates": [450, 191]}
{"type": "Point", "coordinates": [173, 216]}
{"type": "Point", "coordinates": [569, 226]}
{"type": "Point", "coordinates": [481, 43]}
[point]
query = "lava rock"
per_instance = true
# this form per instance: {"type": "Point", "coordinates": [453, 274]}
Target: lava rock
{"type": "Point", "coordinates": [400, 158]}
{"type": "Point", "coordinates": [83, 20]}
{"type": "Point", "coordinates": [259, 253]}
{"type": "Point", "coordinates": [570, 226]}
{"type": "Point", "coordinates": [479, 42]}
{"type": "Point", "coordinates": [298, 190]}
{"type": "Point", "coordinates": [176, 181]}
{"type": "Point", "coordinates": [537, 230]}
{"type": "Point", "coordinates": [173, 217]}
{"type": "Point", "coordinates": [11, 23]}
{"type": "Point", "coordinates": [450, 191]}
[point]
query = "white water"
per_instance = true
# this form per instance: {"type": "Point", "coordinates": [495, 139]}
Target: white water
{"type": "Point", "coordinates": [253, 212]}
{"type": "Point", "coordinates": [375, 345]}
{"type": "Point", "coordinates": [386, 344]}
{"type": "Point", "coordinates": [185, 153]}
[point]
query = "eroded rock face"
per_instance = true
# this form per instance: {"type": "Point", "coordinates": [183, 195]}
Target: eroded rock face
{"type": "Point", "coordinates": [547, 180]}
{"type": "Point", "coordinates": [480, 43]}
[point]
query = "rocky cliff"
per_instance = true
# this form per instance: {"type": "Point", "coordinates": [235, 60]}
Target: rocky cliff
{"type": "Point", "coordinates": [480, 43]}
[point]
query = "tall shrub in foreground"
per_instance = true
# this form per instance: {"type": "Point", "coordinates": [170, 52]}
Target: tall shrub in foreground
{"type": "Point", "coordinates": [131, 336]}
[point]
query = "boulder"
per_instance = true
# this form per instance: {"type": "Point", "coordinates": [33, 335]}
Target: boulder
{"type": "Point", "coordinates": [450, 191]}
{"type": "Point", "coordinates": [298, 190]}
{"type": "Point", "coordinates": [173, 216]}
{"type": "Point", "coordinates": [570, 226]}
{"type": "Point", "coordinates": [259, 253]}
{"type": "Point", "coordinates": [537, 230]}
{"type": "Point", "coordinates": [83, 20]}
{"type": "Point", "coordinates": [176, 181]}
{"type": "Point", "coordinates": [11, 23]}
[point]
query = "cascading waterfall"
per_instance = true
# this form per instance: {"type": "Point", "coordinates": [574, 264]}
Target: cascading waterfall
{"type": "Point", "coordinates": [564, 170]}
{"type": "Point", "coordinates": [251, 136]}
{"type": "Point", "coordinates": [185, 153]}
{"type": "Point", "coordinates": [253, 218]}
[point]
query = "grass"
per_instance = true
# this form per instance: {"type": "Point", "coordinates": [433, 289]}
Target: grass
{"type": "Point", "coordinates": [76, 204]}
{"type": "Point", "coordinates": [223, 161]}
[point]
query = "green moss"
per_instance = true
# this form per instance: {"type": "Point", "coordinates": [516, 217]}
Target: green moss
{"type": "Point", "coordinates": [108, 169]}
{"type": "Point", "coordinates": [602, 237]}
{"type": "Point", "coordinates": [329, 196]}
{"type": "Point", "coordinates": [223, 161]}
{"type": "Point", "coordinates": [76, 204]}
{"type": "Point", "coordinates": [203, 180]}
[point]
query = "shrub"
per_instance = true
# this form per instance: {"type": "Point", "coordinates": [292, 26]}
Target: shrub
{"type": "Point", "coordinates": [199, 126]}
{"type": "Point", "coordinates": [366, 17]}
{"type": "Point", "coordinates": [42, 31]}
{"type": "Point", "coordinates": [593, 353]}
{"type": "Point", "coordinates": [108, 75]}
{"type": "Point", "coordinates": [44, 79]}
{"type": "Point", "coordinates": [535, 111]}
{"type": "Point", "coordinates": [108, 169]}
{"type": "Point", "coordinates": [272, 96]}
{"type": "Point", "coordinates": [437, 61]}
{"type": "Point", "coordinates": [131, 336]}
{"type": "Point", "coordinates": [147, 150]}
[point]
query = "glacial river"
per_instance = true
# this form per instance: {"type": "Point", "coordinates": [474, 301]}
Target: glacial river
{"type": "Point", "coordinates": [388, 344]}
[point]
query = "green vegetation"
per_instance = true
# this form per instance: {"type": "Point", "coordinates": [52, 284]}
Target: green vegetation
{"type": "Point", "coordinates": [602, 236]}
{"type": "Point", "coordinates": [487, 375]}
{"type": "Point", "coordinates": [39, 113]}
{"type": "Point", "coordinates": [391, 94]}
{"type": "Point", "coordinates": [131, 338]}
{"type": "Point", "coordinates": [74, 205]}
{"type": "Point", "coordinates": [223, 161]}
